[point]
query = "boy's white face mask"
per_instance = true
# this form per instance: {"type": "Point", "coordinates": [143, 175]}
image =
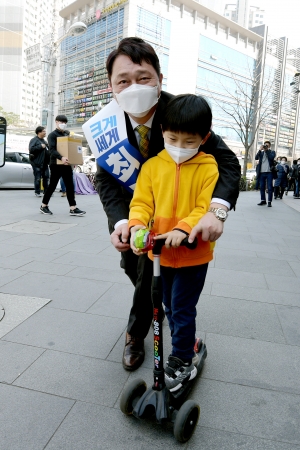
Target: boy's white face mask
{"type": "Point", "coordinates": [138, 99]}
{"type": "Point", "coordinates": [180, 155]}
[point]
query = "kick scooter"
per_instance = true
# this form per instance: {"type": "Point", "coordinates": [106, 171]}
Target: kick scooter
{"type": "Point", "coordinates": [158, 401]}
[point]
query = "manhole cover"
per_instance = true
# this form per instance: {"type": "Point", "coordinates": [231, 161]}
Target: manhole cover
{"type": "Point", "coordinates": [36, 227]}
{"type": "Point", "coordinates": [2, 312]}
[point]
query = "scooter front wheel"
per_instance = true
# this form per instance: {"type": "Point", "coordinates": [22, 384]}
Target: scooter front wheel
{"type": "Point", "coordinates": [131, 394]}
{"type": "Point", "coordinates": [186, 420]}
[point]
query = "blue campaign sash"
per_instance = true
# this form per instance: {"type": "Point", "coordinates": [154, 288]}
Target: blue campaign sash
{"type": "Point", "coordinates": [106, 135]}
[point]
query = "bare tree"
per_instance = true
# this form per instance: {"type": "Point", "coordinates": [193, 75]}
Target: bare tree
{"type": "Point", "coordinates": [248, 103]}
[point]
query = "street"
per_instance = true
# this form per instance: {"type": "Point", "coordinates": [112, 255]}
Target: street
{"type": "Point", "coordinates": [66, 304]}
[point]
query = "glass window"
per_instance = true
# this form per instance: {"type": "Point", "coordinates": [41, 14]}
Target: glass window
{"type": "Point", "coordinates": [24, 157]}
{"type": "Point", "coordinates": [157, 32]}
{"type": "Point", "coordinates": [10, 157]}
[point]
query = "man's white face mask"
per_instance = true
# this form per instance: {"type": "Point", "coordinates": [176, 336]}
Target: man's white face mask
{"type": "Point", "coordinates": [180, 155]}
{"type": "Point", "coordinates": [138, 99]}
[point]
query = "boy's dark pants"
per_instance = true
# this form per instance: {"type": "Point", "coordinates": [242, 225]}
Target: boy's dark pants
{"type": "Point", "coordinates": [182, 288]}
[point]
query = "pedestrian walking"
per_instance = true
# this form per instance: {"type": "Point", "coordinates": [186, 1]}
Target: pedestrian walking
{"type": "Point", "coordinates": [282, 178]}
{"type": "Point", "coordinates": [39, 159]}
{"type": "Point", "coordinates": [60, 170]}
{"type": "Point", "coordinates": [292, 178]}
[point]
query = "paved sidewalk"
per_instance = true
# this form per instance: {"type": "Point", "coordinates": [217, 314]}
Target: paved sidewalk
{"type": "Point", "coordinates": [66, 305]}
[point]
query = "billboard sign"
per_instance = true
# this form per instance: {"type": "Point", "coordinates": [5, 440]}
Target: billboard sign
{"type": "Point", "coordinates": [33, 58]}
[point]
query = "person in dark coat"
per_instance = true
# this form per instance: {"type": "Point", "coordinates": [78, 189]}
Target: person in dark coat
{"type": "Point", "coordinates": [292, 178]}
{"type": "Point", "coordinates": [282, 178]}
{"type": "Point", "coordinates": [134, 72]}
{"type": "Point", "coordinates": [265, 157]}
{"type": "Point", "coordinates": [39, 158]}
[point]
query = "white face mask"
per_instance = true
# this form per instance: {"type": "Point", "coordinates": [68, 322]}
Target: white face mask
{"type": "Point", "coordinates": [138, 99]}
{"type": "Point", "coordinates": [179, 155]}
{"type": "Point", "coordinates": [62, 126]}
{"type": "Point", "coordinates": [283, 162]}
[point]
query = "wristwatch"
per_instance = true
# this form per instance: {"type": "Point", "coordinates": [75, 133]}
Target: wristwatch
{"type": "Point", "coordinates": [220, 213]}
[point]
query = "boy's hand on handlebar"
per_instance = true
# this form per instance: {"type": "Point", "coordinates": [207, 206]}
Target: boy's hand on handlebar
{"type": "Point", "coordinates": [133, 230]}
{"type": "Point", "coordinates": [173, 238]}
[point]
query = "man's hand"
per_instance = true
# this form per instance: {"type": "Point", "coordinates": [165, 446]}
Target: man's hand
{"type": "Point", "coordinates": [65, 161]}
{"type": "Point", "coordinates": [173, 238]}
{"type": "Point", "coordinates": [119, 238]}
{"type": "Point", "coordinates": [210, 227]}
{"type": "Point", "coordinates": [133, 230]}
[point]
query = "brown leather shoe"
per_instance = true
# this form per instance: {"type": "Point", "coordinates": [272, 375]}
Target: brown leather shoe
{"type": "Point", "coordinates": [134, 352]}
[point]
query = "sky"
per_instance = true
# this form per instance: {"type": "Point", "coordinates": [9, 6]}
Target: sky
{"type": "Point", "coordinates": [282, 17]}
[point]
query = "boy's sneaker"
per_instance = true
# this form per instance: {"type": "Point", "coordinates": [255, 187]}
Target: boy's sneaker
{"type": "Point", "coordinates": [76, 212]}
{"type": "Point", "coordinates": [45, 210]}
{"type": "Point", "coordinates": [178, 373]}
{"type": "Point", "coordinates": [38, 195]}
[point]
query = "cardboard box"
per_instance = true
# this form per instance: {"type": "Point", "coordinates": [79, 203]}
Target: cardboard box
{"type": "Point", "coordinates": [71, 148]}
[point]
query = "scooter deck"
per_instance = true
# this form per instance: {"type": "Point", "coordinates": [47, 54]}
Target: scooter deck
{"type": "Point", "coordinates": [183, 392]}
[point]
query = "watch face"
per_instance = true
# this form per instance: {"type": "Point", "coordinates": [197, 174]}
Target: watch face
{"type": "Point", "coordinates": [222, 213]}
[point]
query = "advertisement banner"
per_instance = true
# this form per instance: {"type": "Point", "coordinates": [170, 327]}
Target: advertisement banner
{"type": "Point", "coordinates": [33, 58]}
{"type": "Point", "coordinates": [107, 137]}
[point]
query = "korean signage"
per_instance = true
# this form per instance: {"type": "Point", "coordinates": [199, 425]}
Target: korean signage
{"type": "Point", "coordinates": [2, 140]}
{"type": "Point", "coordinates": [33, 58]}
{"type": "Point", "coordinates": [107, 137]}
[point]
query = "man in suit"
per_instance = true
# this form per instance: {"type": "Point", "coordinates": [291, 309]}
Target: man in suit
{"type": "Point", "coordinates": [134, 75]}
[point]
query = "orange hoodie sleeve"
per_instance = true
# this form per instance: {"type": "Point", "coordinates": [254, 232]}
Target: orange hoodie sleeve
{"type": "Point", "coordinates": [202, 202]}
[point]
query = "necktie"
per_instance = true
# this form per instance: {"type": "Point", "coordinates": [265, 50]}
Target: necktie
{"type": "Point", "coordinates": [144, 141]}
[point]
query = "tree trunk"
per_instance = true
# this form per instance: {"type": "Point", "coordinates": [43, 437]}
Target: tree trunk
{"type": "Point", "coordinates": [245, 160]}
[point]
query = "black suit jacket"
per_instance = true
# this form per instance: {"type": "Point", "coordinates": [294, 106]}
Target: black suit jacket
{"type": "Point", "coordinates": [116, 199]}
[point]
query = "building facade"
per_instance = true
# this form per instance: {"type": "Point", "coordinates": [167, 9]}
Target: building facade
{"type": "Point", "coordinates": [24, 24]}
{"type": "Point", "coordinates": [200, 52]}
{"type": "Point", "coordinates": [245, 14]}
{"type": "Point", "coordinates": [168, 26]}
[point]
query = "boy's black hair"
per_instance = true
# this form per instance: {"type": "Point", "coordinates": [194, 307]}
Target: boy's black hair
{"type": "Point", "coordinates": [295, 161]}
{"type": "Point", "coordinates": [39, 129]}
{"type": "Point", "coordinates": [61, 118]}
{"type": "Point", "coordinates": [137, 50]}
{"type": "Point", "coordinates": [267, 142]}
{"type": "Point", "coordinates": [187, 113]}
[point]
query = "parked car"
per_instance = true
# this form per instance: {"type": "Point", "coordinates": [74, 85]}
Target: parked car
{"type": "Point", "coordinates": [88, 166]}
{"type": "Point", "coordinates": [17, 171]}
{"type": "Point", "coordinates": [250, 174]}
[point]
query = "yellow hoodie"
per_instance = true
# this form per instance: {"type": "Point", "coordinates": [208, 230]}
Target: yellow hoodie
{"type": "Point", "coordinates": [170, 196]}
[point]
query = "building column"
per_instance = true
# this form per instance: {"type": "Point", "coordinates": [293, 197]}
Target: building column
{"type": "Point", "coordinates": [281, 94]}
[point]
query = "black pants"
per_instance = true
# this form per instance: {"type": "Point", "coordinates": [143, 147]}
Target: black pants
{"type": "Point", "coordinates": [40, 172]}
{"type": "Point", "coordinates": [139, 269]}
{"type": "Point", "coordinates": [66, 173]}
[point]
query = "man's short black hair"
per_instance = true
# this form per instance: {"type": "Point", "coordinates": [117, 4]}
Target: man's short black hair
{"type": "Point", "coordinates": [61, 118]}
{"type": "Point", "coordinates": [187, 113]}
{"type": "Point", "coordinates": [137, 50]}
{"type": "Point", "coordinates": [295, 161]}
{"type": "Point", "coordinates": [268, 142]}
{"type": "Point", "coordinates": [39, 129]}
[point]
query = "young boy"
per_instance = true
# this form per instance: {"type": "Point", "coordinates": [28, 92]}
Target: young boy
{"type": "Point", "coordinates": [173, 191]}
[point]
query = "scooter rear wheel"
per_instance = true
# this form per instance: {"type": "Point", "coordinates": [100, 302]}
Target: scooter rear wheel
{"type": "Point", "coordinates": [131, 394]}
{"type": "Point", "coordinates": [186, 420]}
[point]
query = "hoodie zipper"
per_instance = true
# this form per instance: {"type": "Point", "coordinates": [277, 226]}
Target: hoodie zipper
{"type": "Point", "coordinates": [177, 176]}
